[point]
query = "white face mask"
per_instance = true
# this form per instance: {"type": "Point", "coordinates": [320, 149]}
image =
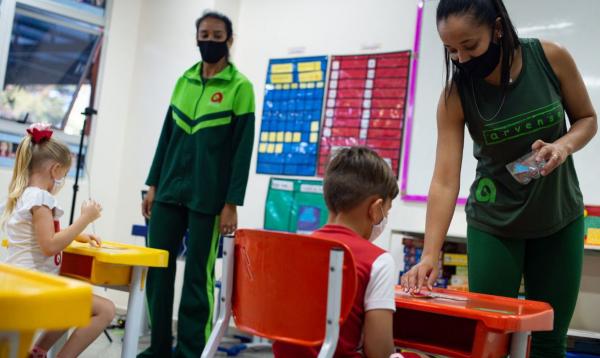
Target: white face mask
{"type": "Point", "coordinates": [378, 228]}
{"type": "Point", "coordinates": [58, 184]}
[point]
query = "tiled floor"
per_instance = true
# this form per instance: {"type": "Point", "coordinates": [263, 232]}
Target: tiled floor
{"type": "Point", "coordinates": [103, 348]}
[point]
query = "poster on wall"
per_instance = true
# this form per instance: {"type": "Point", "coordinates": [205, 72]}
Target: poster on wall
{"type": "Point", "coordinates": [9, 143]}
{"type": "Point", "coordinates": [295, 205]}
{"type": "Point", "coordinates": [291, 116]}
{"type": "Point", "coordinates": [365, 102]}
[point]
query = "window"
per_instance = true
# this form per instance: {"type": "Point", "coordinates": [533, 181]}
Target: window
{"type": "Point", "coordinates": [51, 52]}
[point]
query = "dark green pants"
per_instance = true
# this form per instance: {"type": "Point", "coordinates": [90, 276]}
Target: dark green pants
{"type": "Point", "coordinates": [167, 228]}
{"type": "Point", "coordinates": [551, 267]}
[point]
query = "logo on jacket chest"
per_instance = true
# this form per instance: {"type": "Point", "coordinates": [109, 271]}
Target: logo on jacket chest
{"type": "Point", "coordinates": [217, 97]}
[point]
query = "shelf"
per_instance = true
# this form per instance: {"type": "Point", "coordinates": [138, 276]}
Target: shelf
{"type": "Point", "coordinates": [461, 240]}
{"type": "Point", "coordinates": [592, 247]}
{"type": "Point", "coordinates": [583, 334]}
{"type": "Point", "coordinates": [420, 236]}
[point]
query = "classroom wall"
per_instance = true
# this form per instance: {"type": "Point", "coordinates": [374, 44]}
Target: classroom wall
{"type": "Point", "coordinates": [293, 28]}
{"type": "Point", "coordinates": [149, 44]}
{"type": "Point", "coordinates": [164, 46]}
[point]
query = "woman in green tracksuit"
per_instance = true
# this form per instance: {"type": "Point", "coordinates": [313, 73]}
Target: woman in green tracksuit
{"type": "Point", "coordinates": [196, 180]}
{"type": "Point", "coordinates": [512, 94]}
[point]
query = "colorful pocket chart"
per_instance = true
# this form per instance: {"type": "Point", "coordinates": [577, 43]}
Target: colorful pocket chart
{"type": "Point", "coordinates": [291, 117]}
{"type": "Point", "coordinates": [366, 96]}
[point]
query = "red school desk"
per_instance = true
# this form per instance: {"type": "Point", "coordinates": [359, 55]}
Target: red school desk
{"type": "Point", "coordinates": [463, 324]}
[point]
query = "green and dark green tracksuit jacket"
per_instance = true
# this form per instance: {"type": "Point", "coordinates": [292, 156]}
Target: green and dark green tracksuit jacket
{"type": "Point", "coordinates": [203, 154]}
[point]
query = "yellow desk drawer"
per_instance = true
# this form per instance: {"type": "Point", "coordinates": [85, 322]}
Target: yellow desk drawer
{"type": "Point", "coordinates": [88, 269]}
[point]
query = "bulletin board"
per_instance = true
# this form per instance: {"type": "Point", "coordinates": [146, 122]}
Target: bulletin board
{"type": "Point", "coordinates": [295, 205]}
{"type": "Point", "coordinates": [291, 117]}
{"type": "Point", "coordinates": [366, 97]}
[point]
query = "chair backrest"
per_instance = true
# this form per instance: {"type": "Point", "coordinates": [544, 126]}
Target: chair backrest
{"type": "Point", "coordinates": [280, 285]}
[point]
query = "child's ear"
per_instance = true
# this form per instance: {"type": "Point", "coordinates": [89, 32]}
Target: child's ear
{"type": "Point", "coordinates": [375, 209]}
{"type": "Point", "coordinates": [55, 170]}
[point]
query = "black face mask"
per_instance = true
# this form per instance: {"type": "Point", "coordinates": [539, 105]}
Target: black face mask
{"type": "Point", "coordinates": [212, 51]}
{"type": "Point", "coordinates": [483, 65]}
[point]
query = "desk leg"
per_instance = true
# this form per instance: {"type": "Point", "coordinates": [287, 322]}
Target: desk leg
{"type": "Point", "coordinates": [10, 343]}
{"type": "Point", "coordinates": [519, 345]}
{"type": "Point", "coordinates": [135, 308]}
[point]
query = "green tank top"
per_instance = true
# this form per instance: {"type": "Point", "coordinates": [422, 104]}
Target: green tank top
{"type": "Point", "coordinates": [532, 110]}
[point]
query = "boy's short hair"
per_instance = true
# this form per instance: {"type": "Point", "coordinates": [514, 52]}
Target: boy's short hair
{"type": "Point", "coordinates": [354, 174]}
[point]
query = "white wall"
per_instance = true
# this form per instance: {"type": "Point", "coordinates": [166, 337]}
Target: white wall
{"type": "Point", "coordinates": [160, 45]}
{"type": "Point", "coordinates": [274, 28]}
{"type": "Point", "coordinates": [157, 44]}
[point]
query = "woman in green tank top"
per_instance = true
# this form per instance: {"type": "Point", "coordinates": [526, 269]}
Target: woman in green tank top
{"type": "Point", "coordinates": [512, 95]}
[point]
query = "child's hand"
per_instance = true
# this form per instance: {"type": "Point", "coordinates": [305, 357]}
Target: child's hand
{"type": "Point", "coordinates": [90, 210]}
{"type": "Point", "coordinates": [92, 239]}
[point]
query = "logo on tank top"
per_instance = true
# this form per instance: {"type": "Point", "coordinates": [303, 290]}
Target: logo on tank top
{"type": "Point", "coordinates": [524, 124]}
{"type": "Point", "coordinates": [486, 191]}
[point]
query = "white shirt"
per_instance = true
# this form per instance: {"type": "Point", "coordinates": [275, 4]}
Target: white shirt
{"type": "Point", "coordinates": [380, 289]}
{"type": "Point", "coordinates": [23, 248]}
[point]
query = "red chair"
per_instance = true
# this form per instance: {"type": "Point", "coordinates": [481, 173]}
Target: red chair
{"type": "Point", "coordinates": [285, 287]}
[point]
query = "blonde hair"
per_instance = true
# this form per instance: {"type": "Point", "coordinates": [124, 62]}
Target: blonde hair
{"type": "Point", "coordinates": [30, 157]}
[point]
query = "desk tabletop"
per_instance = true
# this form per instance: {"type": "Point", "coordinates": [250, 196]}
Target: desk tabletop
{"type": "Point", "coordinates": [121, 254]}
{"type": "Point", "coordinates": [31, 300]}
{"type": "Point", "coordinates": [500, 313]}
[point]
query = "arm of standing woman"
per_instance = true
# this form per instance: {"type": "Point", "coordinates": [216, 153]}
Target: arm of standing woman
{"type": "Point", "coordinates": [443, 190]}
{"type": "Point", "coordinates": [157, 163]}
{"type": "Point", "coordinates": [242, 142]}
{"type": "Point", "coordinates": [583, 119]}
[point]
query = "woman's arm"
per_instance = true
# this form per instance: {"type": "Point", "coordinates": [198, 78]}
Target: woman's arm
{"type": "Point", "coordinates": [242, 142]}
{"type": "Point", "coordinates": [577, 102]}
{"type": "Point", "coordinates": [161, 150]}
{"type": "Point", "coordinates": [157, 164]}
{"type": "Point", "coordinates": [443, 191]}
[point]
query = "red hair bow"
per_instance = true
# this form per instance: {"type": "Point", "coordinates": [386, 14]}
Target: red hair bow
{"type": "Point", "coordinates": [39, 132]}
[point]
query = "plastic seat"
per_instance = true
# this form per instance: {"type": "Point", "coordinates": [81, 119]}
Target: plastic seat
{"type": "Point", "coordinates": [291, 288]}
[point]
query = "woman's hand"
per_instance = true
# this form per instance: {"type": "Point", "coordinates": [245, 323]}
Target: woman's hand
{"type": "Point", "coordinates": [147, 202]}
{"type": "Point", "coordinates": [425, 272]}
{"type": "Point", "coordinates": [553, 153]}
{"type": "Point", "coordinates": [228, 219]}
{"type": "Point", "coordinates": [93, 240]}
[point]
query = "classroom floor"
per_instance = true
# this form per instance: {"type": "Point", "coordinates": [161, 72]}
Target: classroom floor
{"type": "Point", "coordinates": [103, 348]}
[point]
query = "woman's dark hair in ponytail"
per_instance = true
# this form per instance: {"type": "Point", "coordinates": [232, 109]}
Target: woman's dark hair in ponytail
{"type": "Point", "coordinates": [483, 12]}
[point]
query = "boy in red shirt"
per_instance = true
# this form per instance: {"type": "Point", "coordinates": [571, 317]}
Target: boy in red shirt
{"type": "Point", "coordinates": [359, 187]}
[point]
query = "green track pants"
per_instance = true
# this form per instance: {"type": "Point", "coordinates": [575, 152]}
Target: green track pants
{"type": "Point", "coordinates": [167, 227]}
{"type": "Point", "coordinates": [550, 266]}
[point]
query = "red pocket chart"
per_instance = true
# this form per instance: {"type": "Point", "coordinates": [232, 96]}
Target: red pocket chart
{"type": "Point", "coordinates": [365, 105]}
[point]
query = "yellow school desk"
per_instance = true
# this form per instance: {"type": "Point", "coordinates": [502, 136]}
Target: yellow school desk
{"type": "Point", "coordinates": [31, 300]}
{"type": "Point", "coordinates": [118, 266]}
